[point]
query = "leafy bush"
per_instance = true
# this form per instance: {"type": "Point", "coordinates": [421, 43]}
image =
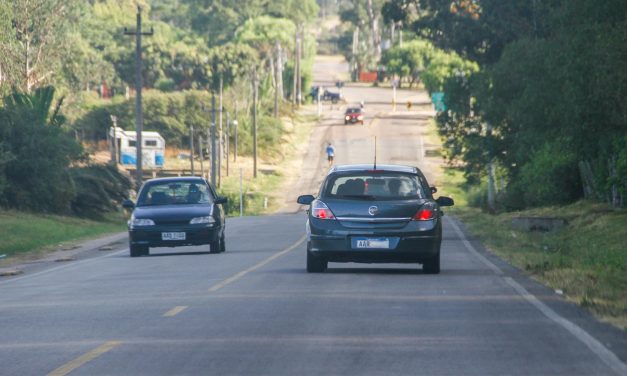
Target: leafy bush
{"type": "Point", "coordinates": [37, 153]}
{"type": "Point", "coordinates": [99, 189]}
{"type": "Point", "coordinates": [550, 178]}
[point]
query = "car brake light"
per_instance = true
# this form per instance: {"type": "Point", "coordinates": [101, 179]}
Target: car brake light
{"type": "Point", "coordinates": [425, 213]}
{"type": "Point", "coordinates": [321, 211]}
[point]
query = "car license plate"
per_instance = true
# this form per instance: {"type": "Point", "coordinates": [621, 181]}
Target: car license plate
{"type": "Point", "coordinates": [172, 236]}
{"type": "Point", "coordinates": [381, 243]}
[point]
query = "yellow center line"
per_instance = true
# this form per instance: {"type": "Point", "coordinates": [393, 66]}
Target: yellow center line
{"type": "Point", "coordinates": [374, 121]}
{"type": "Point", "coordinates": [255, 267]}
{"type": "Point", "coordinates": [81, 360]}
{"type": "Point", "coordinates": [175, 311]}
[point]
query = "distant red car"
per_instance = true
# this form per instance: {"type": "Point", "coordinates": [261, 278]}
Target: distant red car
{"type": "Point", "coordinates": [354, 115]}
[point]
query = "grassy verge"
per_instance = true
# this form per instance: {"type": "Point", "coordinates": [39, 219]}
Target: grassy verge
{"type": "Point", "coordinates": [587, 260]}
{"type": "Point", "coordinates": [24, 234]}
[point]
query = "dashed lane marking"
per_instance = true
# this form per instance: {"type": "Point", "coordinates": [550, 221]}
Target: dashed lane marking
{"type": "Point", "coordinates": [175, 311]}
{"type": "Point", "coordinates": [83, 359]}
{"type": "Point", "coordinates": [255, 267]}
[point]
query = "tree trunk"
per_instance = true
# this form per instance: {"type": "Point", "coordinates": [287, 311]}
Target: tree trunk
{"type": "Point", "coordinates": [374, 26]}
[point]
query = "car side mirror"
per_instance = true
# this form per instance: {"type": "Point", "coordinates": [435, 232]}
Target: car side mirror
{"type": "Point", "coordinates": [128, 204]}
{"type": "Point", "coordinates": [445, 201]}
{"type": "Point", "coordinates": [305, 199]}
{"type": "Point", "coordinates": [433, 190]}
{"type": "Point", "coordinates": [221, 200]}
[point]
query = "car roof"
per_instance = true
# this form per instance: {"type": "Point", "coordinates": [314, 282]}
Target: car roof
{"type": "Point", "coordinates": [371, 167]}
{"type": "Point", "coordinates": [195, 179]}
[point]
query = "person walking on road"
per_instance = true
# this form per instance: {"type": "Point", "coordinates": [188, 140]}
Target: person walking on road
{"type": "Point", "coordinates": [330, 153]}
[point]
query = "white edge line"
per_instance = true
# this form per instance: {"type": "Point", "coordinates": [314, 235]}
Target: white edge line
{"type": "Point", "coordinates": [472, 249]}
{"type": "Point", "coordinates": [73, 264]}
{"type": "Point", "coordinates": [606, 356]}
{"type": "Point", "coordinates": [239, 275]}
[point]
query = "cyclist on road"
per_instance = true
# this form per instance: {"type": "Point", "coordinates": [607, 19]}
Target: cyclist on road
{"type": "Point", "coordinates": [330, 153]}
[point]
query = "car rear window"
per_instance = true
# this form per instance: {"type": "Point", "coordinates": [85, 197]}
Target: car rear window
{"type": "Point", "coordinates": [374, 185]}
{"type": "Point", "coordinates": [174, 193]}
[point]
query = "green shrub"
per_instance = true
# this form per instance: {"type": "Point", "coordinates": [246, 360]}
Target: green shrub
{"type": "Point", "coordinates": [99, 189]}
{"type": "Point", "coordinates": [551, 177]}
{"type": "Point", "coordinates": [37, 153]}
{"type": "Point", "coordinates": [165, 85]}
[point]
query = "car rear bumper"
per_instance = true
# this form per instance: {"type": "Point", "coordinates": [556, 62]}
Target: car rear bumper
{"type": "Point", "coordinates": [403, 248]}
{"type": "Point", "coordinates": [152, 237]}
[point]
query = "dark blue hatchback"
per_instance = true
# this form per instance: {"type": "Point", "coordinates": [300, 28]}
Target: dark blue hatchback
{"type": "Point", "coordinates": [372, 215]}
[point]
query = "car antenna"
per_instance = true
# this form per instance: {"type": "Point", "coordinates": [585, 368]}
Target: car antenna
{"type": "Point", "coordinates": [375, 152]}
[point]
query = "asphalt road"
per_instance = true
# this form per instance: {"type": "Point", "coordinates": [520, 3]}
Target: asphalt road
{"type": "Point", "coordinates": [255, 311]}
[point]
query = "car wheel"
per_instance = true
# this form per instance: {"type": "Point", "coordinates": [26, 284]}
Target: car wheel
{"type": "Point", "coordinates": [222, 244]}
{"type": "Point", "coordinates": [345, 122]}
{"type": "Point", "coordinates": [138, 250]}
{"type": "Point", "coordinates": [216, 246]}
{"type": "Point", "coordinates": [315, 264]}
{"type": "Point", "coordinates": [362, 122]}
{"type": "Point", "coordinates": [432, 266]}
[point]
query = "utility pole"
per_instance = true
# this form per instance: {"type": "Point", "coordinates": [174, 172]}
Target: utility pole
{"type": "Point", "coordinates": [191, 147]}
{"type": "Point", "coordinates": [213, 139]}
{"type": "Point", "coordinates": [255, 122]}
{"type": "Point", "coordinates": [295, 68]}
{"type": "Point", "coordinates": [220, 135]}
{"type": "Point", "coordinates": [139, 119]}
{"type": "Point", "coordinates": [235, 141]}
{"type": "Point", "coordinates": [491, 172]}
{"type": "Point", "coordinates": [299, 53]}
{"type": "Point", "coordinates": [114, 120]}
{"type": "Point", "coordinates": [278, 81]}
{"type": "Point", "coordinates": [227, 141]}
{"type": "Point", "coordinates": [201, 156]}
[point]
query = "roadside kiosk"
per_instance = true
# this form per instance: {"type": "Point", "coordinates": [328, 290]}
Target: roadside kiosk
{"type": "Point", "coordinates": [153, 148]}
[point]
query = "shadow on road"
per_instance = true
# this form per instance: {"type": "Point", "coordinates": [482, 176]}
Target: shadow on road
{"type": "Point", "coordinates": [373, 271]}
{"type": "Point", "coordinates": [163, 254]}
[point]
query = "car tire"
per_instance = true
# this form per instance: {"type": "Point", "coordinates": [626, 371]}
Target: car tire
{"type": "Point", "coordinates": [315, 264]}
{"type": "Point", "coordinates": [138, 250]}
{"type": "Point", "coordinates": [432, 266]}
{"type": "Point", "coordinates": [216, 246]}
{"type": "Point", "coordinates": [362, 122]}
{"type": "Point", "coordinates": [222, 243]}
{"type": "Point", "coordinates": [345, 122]}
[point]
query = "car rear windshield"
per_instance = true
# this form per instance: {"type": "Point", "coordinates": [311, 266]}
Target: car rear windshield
{"type": "Point", "coordinates": [174, 193]}
{"type": "Point", "coordinates": [374, 185]}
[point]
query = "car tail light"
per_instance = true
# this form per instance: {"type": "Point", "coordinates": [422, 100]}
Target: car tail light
{"type": "Point", "coordinates": [320, 210]}
{"type": "Point", "coordinates": [425, 213]}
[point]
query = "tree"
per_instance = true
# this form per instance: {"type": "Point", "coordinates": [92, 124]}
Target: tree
{"type": "Point", "coordinates": [33, 45]}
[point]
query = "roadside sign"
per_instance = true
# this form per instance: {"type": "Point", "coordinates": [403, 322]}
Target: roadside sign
{"type": "Point", "coordinates": [437, 99]}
